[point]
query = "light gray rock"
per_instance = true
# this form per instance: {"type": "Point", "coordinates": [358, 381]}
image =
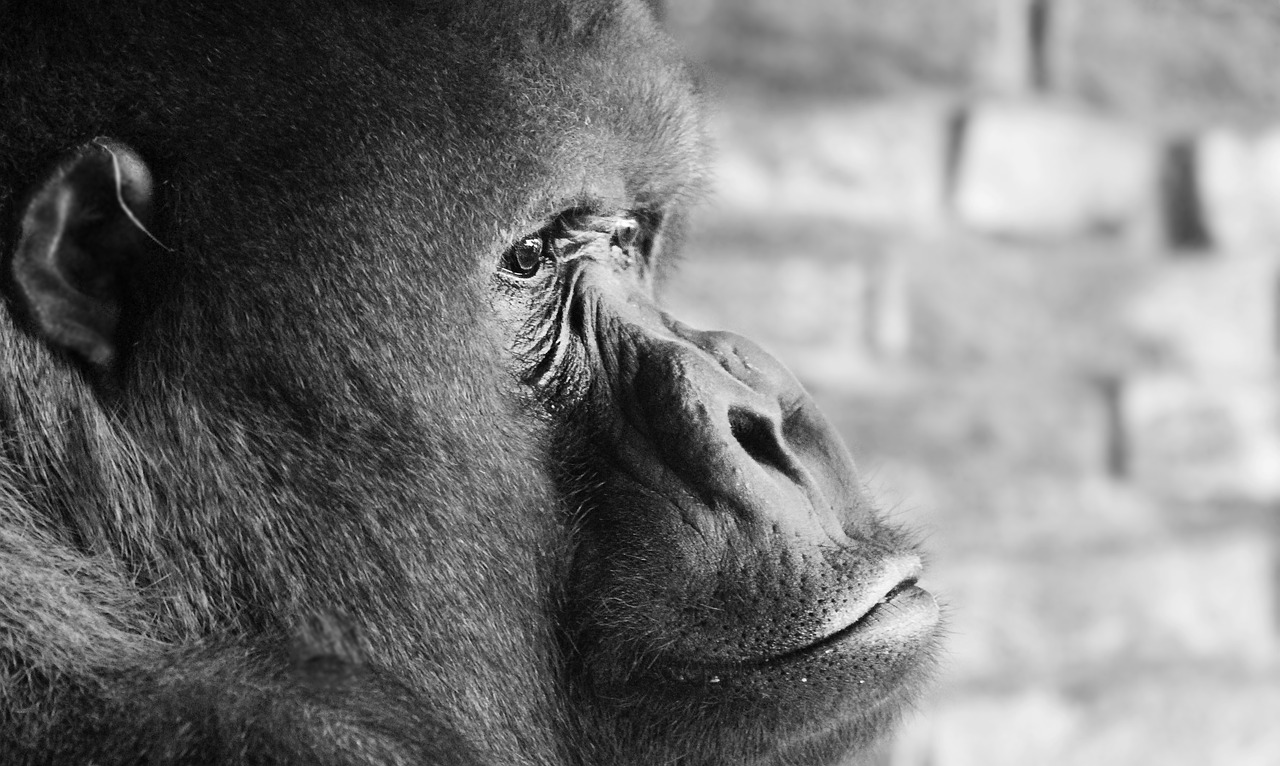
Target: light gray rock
{"type": "Point", "coordinates": [1032, 169]}
{"type": "Point", "coordinates": [1203, 439]}
{"type": "Point", "coordinates": [1028, 48]}
{"type": "Point", "coordinates": [1214, 316]}
{"type": "Point", "coordinates": [1238, 179]}
{"type": "Point", "coordinates": [1177, 600]}
{"type": "Point", "coordinates": [1173, 716]}
{"type": "Point", "coordinates": [880, 164]}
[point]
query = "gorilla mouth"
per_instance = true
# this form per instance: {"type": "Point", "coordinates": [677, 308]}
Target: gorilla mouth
{"type": "Point", "coordinates": [907, 583]}
{"type": "Point", "coordinates": [895, 604]}
{"type": "Point", "coordinates": [903, 614]}
{"type": "Point", "coordinates": [904, 611]}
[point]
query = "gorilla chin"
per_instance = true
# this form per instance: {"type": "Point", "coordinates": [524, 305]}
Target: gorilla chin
{"type": "Point", "coordinates": [341, 424]}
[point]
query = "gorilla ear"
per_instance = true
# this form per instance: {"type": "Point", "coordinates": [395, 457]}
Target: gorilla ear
{"type": "Point", "coordinates": [81, 231]}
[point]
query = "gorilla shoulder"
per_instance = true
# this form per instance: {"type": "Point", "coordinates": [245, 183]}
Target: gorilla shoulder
{"type": "Point", "coordinates": [340, 423]}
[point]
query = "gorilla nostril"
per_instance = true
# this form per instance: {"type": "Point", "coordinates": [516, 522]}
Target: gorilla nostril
{"type": "Point", "coordinates": [759, 437]}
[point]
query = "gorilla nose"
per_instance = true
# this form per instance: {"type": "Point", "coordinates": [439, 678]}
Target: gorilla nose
{"type": "Point", "coordinates": [741, 431]}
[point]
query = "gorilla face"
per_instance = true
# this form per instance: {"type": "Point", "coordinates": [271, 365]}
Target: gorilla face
{"type": "Point", "coordinates": [341, 424]}
{"type": "Point", "coordinates": [727, 565]}
{"type": "Point", "coordinates": [731, 592]}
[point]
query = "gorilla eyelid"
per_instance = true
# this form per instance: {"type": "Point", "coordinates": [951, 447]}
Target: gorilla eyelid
{"type": "Point", "coordinates": [524, 258]}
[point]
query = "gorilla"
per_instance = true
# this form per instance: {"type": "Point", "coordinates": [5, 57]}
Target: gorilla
{"type": "Point", "coordinates": [339, 422]}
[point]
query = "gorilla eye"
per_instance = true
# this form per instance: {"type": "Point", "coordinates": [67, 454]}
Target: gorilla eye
{"type": "Point", "coordinates": [524, 258]}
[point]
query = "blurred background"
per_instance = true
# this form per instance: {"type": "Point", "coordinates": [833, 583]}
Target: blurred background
{"type": "Point", "coordinates": [1024, 253]}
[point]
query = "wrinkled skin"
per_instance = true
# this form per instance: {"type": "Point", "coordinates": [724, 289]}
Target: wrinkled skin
{"type": "Point", "coordinates": [339, 421]}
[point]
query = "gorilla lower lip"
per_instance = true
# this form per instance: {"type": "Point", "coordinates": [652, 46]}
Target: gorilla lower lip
{"type": "Point", "coordinates": [904, 609]}
{"type": "Point", "coordinates": [904, 613]}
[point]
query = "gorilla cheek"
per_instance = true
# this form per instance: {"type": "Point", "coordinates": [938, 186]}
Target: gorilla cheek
{"type": "Point", "coordinates": [726, 551]}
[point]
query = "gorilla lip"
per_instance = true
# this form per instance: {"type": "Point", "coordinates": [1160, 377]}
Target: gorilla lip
{"type": "Point", "coordinates": [897, 587]}
{"type": "Point", "coordinates": [901, 609]}
{"type": "Point", "coordinates": [913, 608]}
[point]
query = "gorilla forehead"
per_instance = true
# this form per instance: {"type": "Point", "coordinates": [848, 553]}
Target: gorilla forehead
{"type": "Point", "coordinates": [580, 95]}
{"type": "Point", "coordinates": [461, 126]}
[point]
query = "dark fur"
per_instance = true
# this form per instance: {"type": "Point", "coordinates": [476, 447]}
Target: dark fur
{"type": "Point", "coordinates": [265, 490]}
{"type": "Point", "coordinates": [303, 517]}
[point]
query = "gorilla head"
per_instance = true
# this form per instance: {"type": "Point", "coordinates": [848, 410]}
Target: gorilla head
{"type": "Point", "coordinates": [340, 424]}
